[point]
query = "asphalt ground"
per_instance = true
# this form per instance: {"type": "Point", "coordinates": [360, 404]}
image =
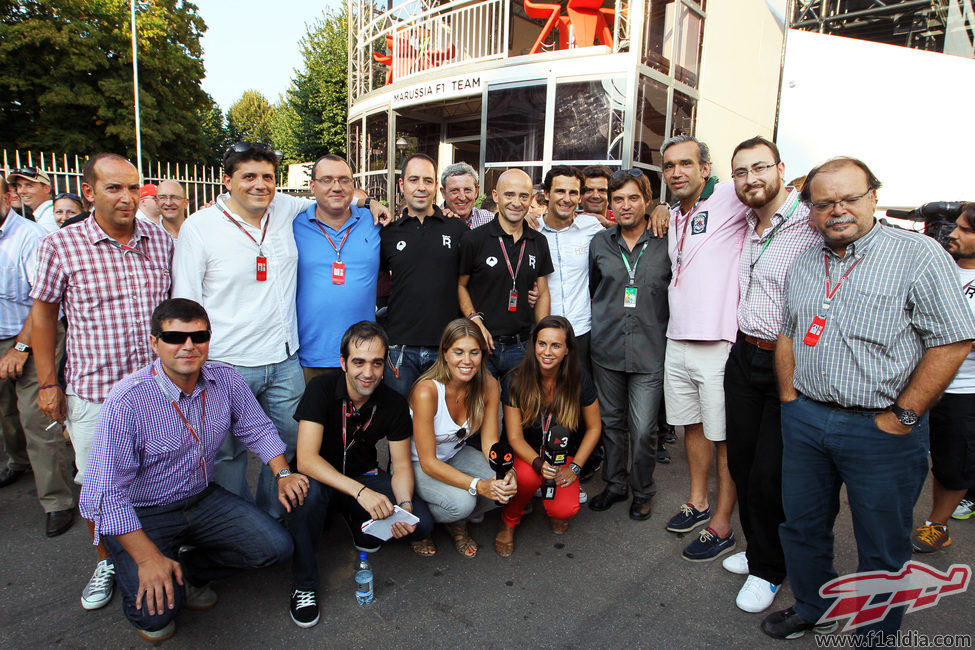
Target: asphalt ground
{"type": "Point", "coordinates": [610, 582]}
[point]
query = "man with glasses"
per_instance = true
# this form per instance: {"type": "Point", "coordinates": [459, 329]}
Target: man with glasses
{"type": "Point", "coordinates": [341, 419]}
{"type": "Point", "coordinates": [705, 236]}
{"type": "Point", "coordinates": [171, 197]}
{"type": "Point", "coordinates": [873, 330]}
{"type": "Point", "coordinates": [459, 188]}
{"type": "Point", "coordinates": [29, 441]}
{"type": "Point", "coordinates": [149, 490]}
{"type": "Point", "coordinates": [33, 186]}
{"type": "Point", "coordinates": [107, 273]}
{"type": "Point", "coordinates": [338, 265]}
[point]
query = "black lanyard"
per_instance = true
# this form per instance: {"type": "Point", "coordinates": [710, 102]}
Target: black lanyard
{"type": "Point", "coordinates": [349, 409]}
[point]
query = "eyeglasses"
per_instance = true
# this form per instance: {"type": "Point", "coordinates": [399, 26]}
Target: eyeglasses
{"type": "Point", "coordinates": [848, 202]}
{"type": "Point", "coordinates": [24, 171]}
{"type": "Point", "coordinates": [68, 195]}
{"type": "Point", "coordinates": [635, 173]}
{"type": "Point", "coordinates": [241, 147]}
{"type": "Point", "coordinates": [170, 197]}
{"type": "Point", "coordinates": [462, 436]}
{"type": "Point", "coordinates": [328, 181]}
{"type": "Point", "coordinates": [757, 168]}
{"type": "Point", "coordinates": [176, 337]}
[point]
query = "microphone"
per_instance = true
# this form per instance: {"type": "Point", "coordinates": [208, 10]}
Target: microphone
{"type": "Point", "coordinates": [554, 454]}
{"type": "Point", "coordinates": [502, 458]}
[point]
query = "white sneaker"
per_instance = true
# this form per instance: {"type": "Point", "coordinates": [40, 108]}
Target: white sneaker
{"type": "Point", "coordinates": [100, 588]}
{"type": "Point", "coordinates": [200, 599]}
{"type": "Point", "coordinates": [756, 595]}
{"type": "Point", "coordinates": [736, 563]}
{"type": "Point", "coordinates": [583, 497]}
{"type": "Point", "coordinates": [964, 510]}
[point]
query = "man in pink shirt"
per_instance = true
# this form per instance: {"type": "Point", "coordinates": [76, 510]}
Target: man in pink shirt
{"type": "Point", "coordinates": [707, 227]}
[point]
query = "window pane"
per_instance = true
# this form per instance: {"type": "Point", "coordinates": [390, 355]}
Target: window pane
{"type": "Point", "coordinates": [651, 122]}
{"type": "Point", "coordinates": [376, 142]}
{"type": "Point", "coordinates": [355, 145]}
{"type": "Point", "coordinates": [420, 137]}
{"type": "Point", "coordinates": [588, 120]}
{"type": "Point", "coordinates": [376, 187]}
{"type": "Point", "coordinates": [659, 35]}
{"type": "Point", "coordinates": [689, 46]}
{"type": "Point", "coordinates": [684, 115]}
{"type": "Point", "coordinates": [515, 124]}
{"type": "Point", "coordinates": [492, 174]}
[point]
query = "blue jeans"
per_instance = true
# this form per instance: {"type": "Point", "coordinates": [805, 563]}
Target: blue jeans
{"type": "Point", "coordinates": [505, 357]}
{"type": "Point", "coordinates": [278, 388]}
{"type": "Point", "coordinates": [227, 533]}
{"type": "Point", "coordinates": [824, 448]}
{"type": "Point", "coordinates": [307, 522]}
{"type": "Point", "coordinates": [405, 365]}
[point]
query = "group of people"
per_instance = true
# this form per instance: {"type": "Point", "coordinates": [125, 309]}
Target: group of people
{"type": "Point", "coordinates": [556, 346]}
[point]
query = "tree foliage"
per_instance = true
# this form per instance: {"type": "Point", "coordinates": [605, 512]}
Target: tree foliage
{"type": "Point", "coordinates": [250, 118]}
{"type": "Point", "coordinates": [66, 77]}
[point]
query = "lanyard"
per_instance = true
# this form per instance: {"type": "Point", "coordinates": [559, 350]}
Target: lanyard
{"type": "Point", "coordinates": [260, 244]}
{"type": "Point", "coordinates": [546, 423]}
{"type": "Point", "coordinates": [504, 251]}
{"type": "Point", "coordinates": [768, 240]}
{"type": "Point", "coordinates": [126, 249]}
{"type": "Point", "coordinates": [632, 271]}
{"type": "Point", "coordinates": [683, 236]}
{"type": "Point", "coordinates": [839, 283]}
{"type": "Point", "coordinates": [349, 409]}
{"type": "Point", "coordinates": [186, 422]}
{"type": "Point", "coordinates": [337, 249]}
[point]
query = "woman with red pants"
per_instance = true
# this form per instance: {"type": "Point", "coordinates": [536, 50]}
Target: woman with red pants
{"type": "Point", "coordinates": [548, 397]}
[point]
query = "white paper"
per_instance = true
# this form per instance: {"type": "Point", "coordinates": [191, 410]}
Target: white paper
{"type": "Point", "coordinates": [383, 528]}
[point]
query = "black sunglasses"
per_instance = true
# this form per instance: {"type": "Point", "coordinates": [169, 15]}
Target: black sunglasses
{"type": "Point", "coordinates": [25, 171]}
{"type": "Point", "coordinates": [635, 173]}
{"type": "Point", "coordinates": [68, 195]}
{"type": "Point", "coordinates": [176, 337]}
{"type": "Point", "coordinates": [462, 436]}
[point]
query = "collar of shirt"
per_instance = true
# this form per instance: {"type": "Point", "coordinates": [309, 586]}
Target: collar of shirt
{"type": "Point", "coordinates": [206, 378]}
{"type": "Point", "coordinates": [96, 234]}
{"type": "Point", "coordinates": [861, 245]}
{"type": "Point", "coordinates": [347, 225]}
{"type": "Point", "coordinates": [8, 222]}
{"type": "Point", "coordinates": [573, 225]}
{"type": "Point", "coordinates": [616, 234]}
{"type": "Point", "coordinates": [495, 230]}
{"type": "Point", "coordinates": [777, 218]}
{"type": "Point", "coordinates": [342, 393]}
{"type": "Point", "coordinates": [406, 216]}
{"type": "Point", "coordinates": [706, 193]}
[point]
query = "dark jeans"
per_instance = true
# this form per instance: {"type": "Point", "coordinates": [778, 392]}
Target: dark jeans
{"type": "Point", "coordinates": [228, 534]}
{"type": "Point", "coordinates": [824, 448]}
{"type": "Point", "coordinates": [755, 455]}
{"type": "Point", "coordinates": [505, 357]}
{"type": "Point", "coordinates": [405, 364]}
{"type": "Point", "coordinates": [307, 522]}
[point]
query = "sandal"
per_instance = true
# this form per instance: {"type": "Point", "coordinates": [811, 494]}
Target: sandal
{"type": "Point", "coordinates": [424, 547]}
{"type": "Point", "coordinates": [504, 543]}
{"type": "Point", "coordinates": [463, 542]}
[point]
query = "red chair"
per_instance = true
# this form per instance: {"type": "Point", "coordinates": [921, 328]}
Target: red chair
{"type": "Point", "coordinates": [549, 13]}
{"type": "Point", "coordinates": [405, 52]}
{"type": "Point", "coordinates": [588, 19]}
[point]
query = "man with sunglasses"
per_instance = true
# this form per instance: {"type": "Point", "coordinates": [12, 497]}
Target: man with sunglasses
{"type": "Point", "coordinates": [238, 258]}
{"type": "Point", "coordinates": [341, 419]}
{"type": "Point", "coordinates": [107, 273]}
{"type": "Point", "coordinates": [149, 491]}
{"type": "Point", "coordinates": [30, 442]}
{"type": "Point", "coordinates": [33, 185]}
{"type": "Point", "coordinates": [873, 330]}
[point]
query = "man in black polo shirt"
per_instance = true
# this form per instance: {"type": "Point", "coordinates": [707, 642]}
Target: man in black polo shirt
{"type": "Point", "coordinates": [341, 418]}
{"type": "Point", "coordinates": [421, 251]}
{"type": "Point", "coordinates": [499, 263]}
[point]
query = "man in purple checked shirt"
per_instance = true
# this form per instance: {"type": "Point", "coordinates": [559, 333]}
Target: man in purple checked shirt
{"type": "Point", "coordinates": [148, 490]}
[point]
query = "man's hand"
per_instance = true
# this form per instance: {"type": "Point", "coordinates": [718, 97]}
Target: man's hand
{"type": "Point", "coordinates": [532, 221]}
{"type": "Point", "coordinates": [659, 221]}
{"type": "Point", "coordinates": [533, 296]}
{"type": "Point", "coordinates": [52, 403]}
{"type": "Point", "coordinates": [486, 333]}
{"type": "Point", "coordinates": [888, 423]}
{"type": "Point", "coordinates": [380, 213]}
{"type": "Point", "coordinates": [292, 490]}
{"type": "Point", "coordinates": [12, 364]}
{"type": "Point", "coordinates": [450, 214]}
{"type": "Point", "coordinates": [156, 583]}
{"type": "Point", "coordinates": [375, 503]}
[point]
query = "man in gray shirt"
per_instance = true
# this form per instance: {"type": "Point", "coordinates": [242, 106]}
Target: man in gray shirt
{"type": "Point", "coordinates": [873, 329]}
{"type": "Point", "coordinates": [629, 271]}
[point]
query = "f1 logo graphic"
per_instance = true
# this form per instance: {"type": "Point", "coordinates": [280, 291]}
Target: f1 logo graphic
{"type": "Point", "coordinates": [816, 330]}
{"type": "Point", "coordinates": [866, 598]}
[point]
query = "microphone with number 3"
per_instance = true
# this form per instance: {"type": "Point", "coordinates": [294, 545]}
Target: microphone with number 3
{"type": "Point", "coordinates": [556, 441]}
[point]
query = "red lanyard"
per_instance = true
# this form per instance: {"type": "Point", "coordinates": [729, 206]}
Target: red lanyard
{"type": "Point", "coordinates": [260, 244]}
{"type": "Point", "coordinates": [682, 238]}
{"type": "Point", "coordinates": [521, 253]}
{"type": "Point", "coordinates": [349, 409]}
{"type": "Point", "coordinates": [186, 422]}
{"type": "Point", "coordinates": [839, 283]}
{"type": "Point", "coordinates": [337, 249]}
{"type": "Point", "coordinates": [126, 249]}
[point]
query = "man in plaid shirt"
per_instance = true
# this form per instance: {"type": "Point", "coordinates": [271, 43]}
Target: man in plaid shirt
{"type": "Point", "coordinates": [107, 273]}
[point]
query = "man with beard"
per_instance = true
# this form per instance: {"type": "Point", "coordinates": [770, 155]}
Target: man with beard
{"type": "Point", "coordinates": [952, 418]}
{"type": "Point", "coordinates": [778, 230]}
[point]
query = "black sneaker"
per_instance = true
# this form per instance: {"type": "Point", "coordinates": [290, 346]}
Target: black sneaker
{"type": "Point", "coordinates": [663, 456]}
{"type": "Point", "coordinates": [362, 542]}
{"type": "Point", "coordinates": [304, 608]}
{"type": "Point", "coordinates": [786, 624]}
{"type": "Point", "coordinates": [669, 435]}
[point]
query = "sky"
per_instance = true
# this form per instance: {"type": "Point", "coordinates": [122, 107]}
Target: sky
{"type": "Point", "coordinates": [253, 44]}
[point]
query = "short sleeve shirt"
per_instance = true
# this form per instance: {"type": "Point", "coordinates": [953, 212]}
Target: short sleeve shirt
{"type": "Point", "coordinates": [533, 434]}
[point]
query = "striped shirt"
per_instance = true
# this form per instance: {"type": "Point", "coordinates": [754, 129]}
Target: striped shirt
{"type": "Point", "coordinates": [19, 238]}
{"type": "Point", "coordinates": [900, 299]}
{"type": "Point", "coordinates": [765, 260]}
{"type": "Point", "coordinates": [143, 455]}
{"type": "Point", "coordinates": [108, 293]}
{"type": "Point", "coordinates": [569, 284]}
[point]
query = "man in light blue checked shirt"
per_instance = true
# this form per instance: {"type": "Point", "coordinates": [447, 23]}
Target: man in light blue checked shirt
{"type": "Point", "coordinates": [873, 330]}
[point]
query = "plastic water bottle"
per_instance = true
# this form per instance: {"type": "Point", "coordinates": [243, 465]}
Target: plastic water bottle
{"type": "Point", "coordinates": [363, 580]}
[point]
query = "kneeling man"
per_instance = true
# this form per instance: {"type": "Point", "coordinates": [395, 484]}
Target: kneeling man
{"type": "Point", "coordinates": [148, 490]}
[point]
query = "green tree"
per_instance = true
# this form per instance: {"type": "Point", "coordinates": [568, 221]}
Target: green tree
{"type": "Point", "coordinates": [66, 77]}
{"type": "Point", "coordinates": [250, 118]}
{"type": "Point", "coordinates": [215, 135]}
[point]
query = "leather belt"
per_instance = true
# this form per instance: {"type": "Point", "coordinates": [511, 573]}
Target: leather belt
{"type": "Point", "coordinates": [515, 339]}
{"type": "Point", "coordinates": [850, 409]}
{"type": "Point", "coordinates": [761, 344]}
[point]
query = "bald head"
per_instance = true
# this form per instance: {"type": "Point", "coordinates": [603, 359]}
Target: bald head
{"type": "Point", "coordinates": [172, 201]}
{"type": "Point", "coordinates": [513, 194]}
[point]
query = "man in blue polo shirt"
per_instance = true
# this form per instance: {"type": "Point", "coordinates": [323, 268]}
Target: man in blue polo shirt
{"type": "Point", "coordinates": [338, 264]}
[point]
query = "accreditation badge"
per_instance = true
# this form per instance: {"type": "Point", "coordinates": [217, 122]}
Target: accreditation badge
{"type": "Point", "coordinates": [338, 272]}
{"type": "Point", "coordinates": [815, 331]}
{"type": "Point", "coordinates": [629, 297]}
{"type": "Point", "coordinates": [261, 268]}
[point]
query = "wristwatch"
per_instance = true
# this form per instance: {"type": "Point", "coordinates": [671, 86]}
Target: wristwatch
{"type": "Point", "coordinates": [907, 417]}
{"type": "Point", "coordinates": [21, 347]}
{"type": "Point", "coordinates": [280, 475]}
{"type": "Point", "coordinates": [366, 203]}
{"type": "Point", "coordinates": [473, 488]}
{"type": "Point", "coordinates": [575, 469]}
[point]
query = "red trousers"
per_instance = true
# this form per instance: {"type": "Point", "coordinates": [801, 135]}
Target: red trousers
{"type": "Point", "coordinates": [565, 505]}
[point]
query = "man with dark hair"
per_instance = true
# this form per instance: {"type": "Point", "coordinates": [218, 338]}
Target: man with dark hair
{"type": "Point", "coordinates": [238, 259]}
{"type": "Point", "coordinates": [421, 252]}
{"type": "Point", "coordinates": [953, 417]}
{"type": "Point", "coordinates": [29, 441]}
{"type": "Point", "coordinates": [148, 490]}
{"type": "Point", "coordinates": [629, 270]}
{"type": "Point", "coordinates": [33, 186]}
{"type": "Point", "coordinates": [499, 264]}
{"type": "Point", "coordinates": [459, 188]}
{"type": "Point", "coordinates": [882, 329]}
{"type": "Point", "coordinates": [338, 264]}
{"type": "Point", "coordinates": [108, 309]}
{"type": "Point", "coordinates": [778, 231]}
{"type": "Point", "coordinates": [341, 419]}
{"type": "Point", "coordinates": [595, 194]}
